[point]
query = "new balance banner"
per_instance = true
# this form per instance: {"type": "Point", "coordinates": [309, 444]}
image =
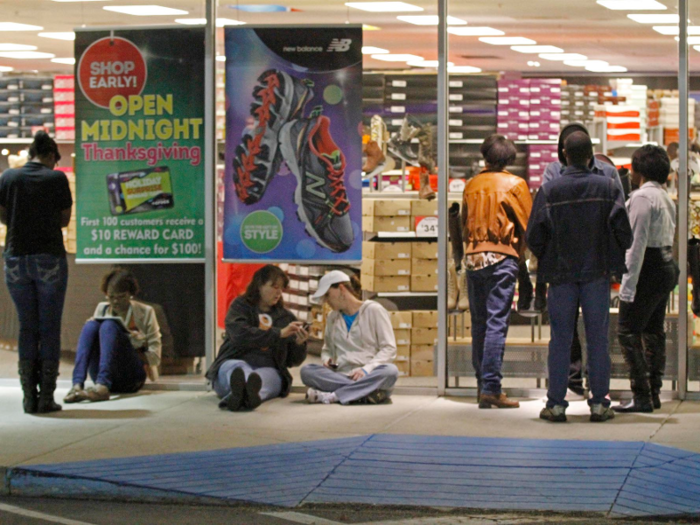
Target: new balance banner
{"type": "Point", "coordinates": [139, 112]}
{"type": "Point", "coordinates": [293, 144]}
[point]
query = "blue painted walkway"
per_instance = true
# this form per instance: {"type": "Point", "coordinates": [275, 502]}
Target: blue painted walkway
{"type": "Point", "coordinates": [615, 478]}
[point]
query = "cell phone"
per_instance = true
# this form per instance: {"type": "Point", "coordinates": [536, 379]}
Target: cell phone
{"type": "Point", "coordinates": [306, 326]}
{"type": "Point", "coordinates": [333, 366]}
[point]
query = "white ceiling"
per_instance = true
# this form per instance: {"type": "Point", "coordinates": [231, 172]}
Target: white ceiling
{"type": "Point", "coordinates": [579, 26]}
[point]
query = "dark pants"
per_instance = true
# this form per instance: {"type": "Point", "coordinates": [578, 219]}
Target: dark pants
{"type": "Point", "coordinates": [491, 293]}
{"type": "Point", "coordinates": [564, 300]}
{"type": "Point", "coordinates": [106, 353]}
{"type": "Point", "coordinates": [641, 325]}
{"type": "Point", "coordinates": [37, 285]}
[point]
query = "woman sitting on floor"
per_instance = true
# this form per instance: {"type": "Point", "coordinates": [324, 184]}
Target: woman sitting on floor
{"type": "Point", "coordinates": [263, 340]}
{"type": "Point", "coordinates": [119, 346]}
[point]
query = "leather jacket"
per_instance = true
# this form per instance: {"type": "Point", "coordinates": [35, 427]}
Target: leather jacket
{"type": "Point", "coordinates": [495, 210]}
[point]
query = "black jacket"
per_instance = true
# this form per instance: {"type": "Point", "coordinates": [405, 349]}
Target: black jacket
{"type": "Point", "coordinates": [579, 229]}
{"type": "Point", "coordinates": [245, 340]}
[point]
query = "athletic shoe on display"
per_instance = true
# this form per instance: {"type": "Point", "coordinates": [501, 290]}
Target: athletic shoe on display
{"type": "Point", "coordinates": [279, 98]}
{"type": "Point", "coordinates": [319, 166]}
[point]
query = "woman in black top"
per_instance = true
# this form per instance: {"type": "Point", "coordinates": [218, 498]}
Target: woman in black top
{"type": "Point", "coordinates": [262, 341]}
{"type": "Point", "coordinates": [35, 203]}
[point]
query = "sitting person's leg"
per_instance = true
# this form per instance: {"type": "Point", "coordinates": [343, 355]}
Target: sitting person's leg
{"type": "Point", "coordinates": [261, 384]}
{"type": "Point", "coordinates": [86, 355]}
{"type": "Point", "coordinates": [345, 389]}
{"type": "Point", "coordinates": [322, 378]}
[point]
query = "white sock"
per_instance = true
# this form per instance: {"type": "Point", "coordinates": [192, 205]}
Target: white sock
{"type": "Point", "coordinates": [329, 397]}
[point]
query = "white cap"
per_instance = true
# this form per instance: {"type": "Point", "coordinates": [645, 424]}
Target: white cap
{"type": "Point", "coordinates": [328, 280]}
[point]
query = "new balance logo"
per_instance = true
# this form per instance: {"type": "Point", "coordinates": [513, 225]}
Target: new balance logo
{"type": "Point", "coordinates": [314, 185]}
{"type": "Point", "coordinates": [339, 45]}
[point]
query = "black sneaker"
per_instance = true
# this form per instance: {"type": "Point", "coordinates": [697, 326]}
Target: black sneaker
{"type": "Point", "coordinates": [319, 166]}
{"type": "Point", "coordinates": [234, 400]}
{"type": "Point", "coordinates": [252, 391]}
{"type": "Point", "coordinates": [279, 98]}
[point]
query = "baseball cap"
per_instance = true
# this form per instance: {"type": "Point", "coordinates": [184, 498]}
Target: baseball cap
{"type": "Point", "coordinates": [328, 280]}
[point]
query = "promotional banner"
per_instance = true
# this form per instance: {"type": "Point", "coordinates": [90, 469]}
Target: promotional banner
{"type": "Point", "coordinates": [139, 114]}
{"type": "Point", "coordinates": [293, 144]}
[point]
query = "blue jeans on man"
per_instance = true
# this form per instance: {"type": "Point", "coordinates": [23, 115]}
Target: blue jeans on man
{"type": "Point", "coordinates": [563, 301]}
{"type": "Point", "coordinates": [37, 285]}
{"type": "Point", "coordinates": [491, 292]}
{"type": "Point", "coordinates": [106, 353]}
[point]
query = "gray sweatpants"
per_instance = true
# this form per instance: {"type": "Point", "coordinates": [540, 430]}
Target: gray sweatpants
{"type": "Point", "coordinates": [326, 380]}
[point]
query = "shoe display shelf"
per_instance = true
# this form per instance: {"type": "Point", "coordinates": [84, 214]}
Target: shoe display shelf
{"type": "Point", "coordinates": [26, 102]}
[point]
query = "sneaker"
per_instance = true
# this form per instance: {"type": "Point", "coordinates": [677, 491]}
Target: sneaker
{"type": "Point", "coordinates": [97, 393]}
{"type": "Point", "coordinates": [279, 98]}
{"type": "Point", "coordinates": [234, 400]}
{"type": "Point", "coordinates": [601, 413]}
{"type": "Point", "coordinates": [377, 397]}
{"type": "Point", "coordinates": [75, 395]}
{"type": "Point", "coordinates": [555, 414]}
{"type": "Point", "coordinates": [252, 391]}
{"type": "Point", "coordinates": [319, 166]}
{"type": "Point", "coordinates": [316, 396]}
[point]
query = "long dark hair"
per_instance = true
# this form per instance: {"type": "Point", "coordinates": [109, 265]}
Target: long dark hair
{"type": "Point", "coordinates": [43, 146]}
{"type": "Point", "coordinates": [266, 274]}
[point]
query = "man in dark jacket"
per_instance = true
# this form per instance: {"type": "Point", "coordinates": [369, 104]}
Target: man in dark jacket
{"type": "Point", "coordinates": [579, 231]}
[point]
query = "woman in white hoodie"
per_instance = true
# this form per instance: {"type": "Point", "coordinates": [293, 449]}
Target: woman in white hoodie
{"type": "Point", "coordinates": [359, 347]}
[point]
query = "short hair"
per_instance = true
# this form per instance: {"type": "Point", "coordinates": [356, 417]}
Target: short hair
{"type": "Point", "coordinates": [652, 163]}
{"type": "Point", "coordinates": [354, 286]}
{"type": "Point", "coordinates": [498, 152]}
{"type": "Point", "coordinates": [43, 146]}
{"type": "Point", "coordinates": [121, 280]}
{"type": "Point", "coordinates": [579, 149]}
{"type": "Point", "coordinates": [266, 274]}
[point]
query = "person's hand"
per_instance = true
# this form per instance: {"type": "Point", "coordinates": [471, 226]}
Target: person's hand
{"type": "Point", "coordinates": [329, 364]}
{"type": "Point", "coordinates": [357, 374]}
{"type": "Point", "coordinates": [291, 329]}
{"type": "Point", "coordinates": [302, 336]}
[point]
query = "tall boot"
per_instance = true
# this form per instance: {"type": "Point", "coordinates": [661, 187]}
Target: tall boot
{"type": "Point", "coordinates": [452, 290]}
{"type": "Point", "coordinates": [425, 192]}
{"type": "Point", "coordinates": [633, 352]}
{"type": "Point", "coordinates": [29, 379]}
{"type": "Point", "coordinates": [540, 296]}
{"type": "Point", "coordinates": [655, 353]}
{"type": "Point", "coordinates": [455, 230]}
{"type": "Point", "coordinates": [463, 303]}
{"type": "Point", "coordinates": [47, 386]}
{"type": "Point", "coordinates": [694, 264]}
{"type": "Point", "coordinates": [524, 286]}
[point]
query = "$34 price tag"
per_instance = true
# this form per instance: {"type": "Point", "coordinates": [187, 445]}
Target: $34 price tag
{"type": "Point", "coordinates": [426, 226]}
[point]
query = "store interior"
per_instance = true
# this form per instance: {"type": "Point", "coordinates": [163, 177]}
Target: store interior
{"type": "Point", "coordinates": [523, 70]}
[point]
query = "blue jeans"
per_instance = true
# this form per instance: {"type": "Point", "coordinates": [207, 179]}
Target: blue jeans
{"type": "Point", "coordinates": [271, 379]}
{"type": "Point", "coordinates": [563, 300]}
{"type": "Point", "coordinates": [106, 353]}
{"type": "Point", "coordinates": [491, 293]}
{"type": "Point", "coordinates": [37, 285]}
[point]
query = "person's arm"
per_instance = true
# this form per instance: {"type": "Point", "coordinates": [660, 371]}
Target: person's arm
{"type": "Point", "coordinates": [640, 219]}
{"type": "Point", "coordinates": [3, 215]}
{"type": "Point", "coordinates": [522, 208]}
{"type": "Point", "coordinates": [65, 217]}
{"type": "Point", "coordinates": [65, 200]}
{"type": "Point", "coordinates": [619, 220]}
{"type": "Point", "coordinates": [538, 231]}
{"type": "Point", "coordinates": [386, 341]}
{"type": "Point", "coordinates": [328, 352]}
{"type": "Point", "coordinates": [151, 332]}
{"type": "Point", "coordinates": [244, 334]}
{"type": "Point", "coordinates": [465, 216]}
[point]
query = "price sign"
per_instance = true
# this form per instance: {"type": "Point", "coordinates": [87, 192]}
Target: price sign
{"type": "Point", "coordinates": [427, 226]}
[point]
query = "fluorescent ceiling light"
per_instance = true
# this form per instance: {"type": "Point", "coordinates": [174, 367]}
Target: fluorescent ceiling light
{"type": "Point", "coordinates": [585, 63]}
{"type": "Point", "coordinates": [692, 40]}
{"type": "Point", "coordinates": [220, 22]}
{"type": "Point", "coordinates": [606, 69]}
{"type": "Point", "coordinates": [427, 63]}
{"type": "Point", "coordinates": [12, 26]}
{"type": "Point", "coordinates": [69, 61]}
{"type": "Point", "coordinates": [367, 27]}
{"type": "Point", "coordinates": [371, 50]}
{"type": "Point", "coordinates": [68, 35]}
{"type": "Point", "coordinates": [537, 49]}
{"type": "Point", "coordinates": [145, 10]}
{"type": "Point", "coordinates": [254, 8]}
{"type": "Point", "coordinates": [475, 31]}
{"type": "Point", "coordinates": [25, 54]}
{"type": "Point", "coordinates": [563, 56]}
{"type": "Point", "coordinates": [430, 20]}
{"type": "Point", "coordinates": [221, 58]}
{"type": "Point", "coordinates": [16, 47]}
{"type": "Point", "coordinates": [463, 69]}
{"type": "Point", "coordinates": [675, 30]}
{"type": "Point", "coordinates": [632, 5]}
{"type": "Point", "coordinates": [5, 69]}
{"type": "Point", "coordinates": [397, 57]}
{"type": "Point", "coordinates": [384, 7]}
{"type": "Point", "coordinates": [507, 41]}
{"type": "Point", "coordinates": [655, 18]}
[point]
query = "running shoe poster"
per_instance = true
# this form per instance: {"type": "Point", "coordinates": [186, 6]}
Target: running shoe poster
{"type": "Point", "coordinates": [293, 144]}
{"type": "Point", "coordinates": [139, 149]}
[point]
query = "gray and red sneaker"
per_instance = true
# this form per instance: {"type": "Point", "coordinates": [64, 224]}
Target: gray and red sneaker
{"type": "Point", "coordinates": [279, 98]}
{"type": "Point", "coordinates": [319, 166]}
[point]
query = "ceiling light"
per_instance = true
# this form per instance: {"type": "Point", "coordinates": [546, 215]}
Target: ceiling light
{"type": "Point", "coordinates": [606, 69]}
{"type": "Point", "coordinates": [68, 35]}
{"type": "Point", "coordinates": [692, 40]}
{"type": "Point", "coordinates": [220, 22]}
{"type": "Point", "coordinates": [221, 58]}
{"type": "Point", "coordinates": [563, 56]}
{"type": "Point", "coordinates": [26, 54]}
{"type": "Point", "coordinates": [507, 41]}
{"type": "Point", "coordinates": [145, 10]}
{"type": "Point", "coordinates": [632, 5]}
{"type": "Point", "coordinates": [474, 31]}
{"type": "Point", "coordinates": [16, 47]}
{"type": "Point", "coordinates": [367, 27]}
{"type": "Point", "coordinates": [537, 49]}
{"type": "Point", "coordinates": [270, 8]}
{"type": "Point", "coordinates": [384, 7]}
{"type": "Point", "coordinates": [430, 20]}
{"type": "Point", "coordinates": [5, 69]}
{"type": "Point", "coordinates": [397, 57]}
{"type": "Point", "coordinates": [69, 61]}
{"type": "Point", "coordinates": [427, 63]}
{"type": "Point", "coordinates": [463, 69]}
{"type": "Point", "coordinates": [656, 18]}
{"type": "Point", "coordinates": [80, 1]}
{"type": "Point", "coordinates": [585, 63]}
{"type": "Point", "coordinates": [533, 64]}
{"type": "Point", "coordinates": [675, 30]}
{"type": "Point", "coordinates": [370, 50]}
{"type": "Point", "coordinates": [12, 26]}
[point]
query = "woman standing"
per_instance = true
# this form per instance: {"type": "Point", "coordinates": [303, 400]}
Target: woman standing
{"type": "Point", "coordinates": [35, 203]}
{"type": "Point", "coordinates": [263, 340]}
{"type": "Point", "coordinates": [652, 274]}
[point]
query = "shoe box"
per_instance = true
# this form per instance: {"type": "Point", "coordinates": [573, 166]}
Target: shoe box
{"type": "Point", "coordinates": [386, 215]}
{"type": "Point", "coordinates": [378, 283]}
{"type": "Point", "coordinates": [386, 267]}
{"type": "Point", "coordinates": [387, 250]}
{"type": "Point", "coordinates": [421, 368]}
{"type": "Point", "coordinates": [387, 224]}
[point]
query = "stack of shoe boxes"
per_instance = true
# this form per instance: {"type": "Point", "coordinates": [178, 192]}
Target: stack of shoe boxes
{"type": "Point", "coordinates": [401, 322]}
{"type": "Point", "coordinates": [26, 103]}
{"type": "Point", "coordinates": [303, 282]}
{"type": "Point", "coordinates": [423, 340]}
{"type": "Point", "coordinates": [514, 108]}
{"type": "Point", "coordinates": [669, 118]}
{"type": "Point", "coordinates": [545, 109]}
{"type": "Point", "coordinates": [386, 215]}
{"type": "Point", "coordinates": [623, 122]}
{"type": "Point", "coordinates": [539, 157]}
{"type": "Point", "coordinates": [424, 267]}
{"type": "Point", "coordinates": [386, 267]}
{"type": "Point", "coordinates": [64, 107]}
{"type": "Point", "coordinates": [578, 103]}
{"type": "Point", "coordinates": [472, 107]}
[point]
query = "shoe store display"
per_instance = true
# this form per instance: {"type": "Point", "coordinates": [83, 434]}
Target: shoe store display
{"type": "Point", "coordinates": [555, 414]}
{"type": "Point", "coordinates": [452, 288]}
{"type": "Point", "coordinates": [375, 161]}
{"type": "Point", "coordinates": [463, 302]}
{"type": "Point", "coordinates": [425, 192]}
{"type": "Point", "coordinates": [402, 149]}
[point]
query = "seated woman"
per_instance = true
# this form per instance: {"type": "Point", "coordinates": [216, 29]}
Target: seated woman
{"type": "Point", "coordinates": [263, 340]}
{"type": "Point", "coordinates": [119, 346]}
{"type": "Point", "coordinates": [358, 350]}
